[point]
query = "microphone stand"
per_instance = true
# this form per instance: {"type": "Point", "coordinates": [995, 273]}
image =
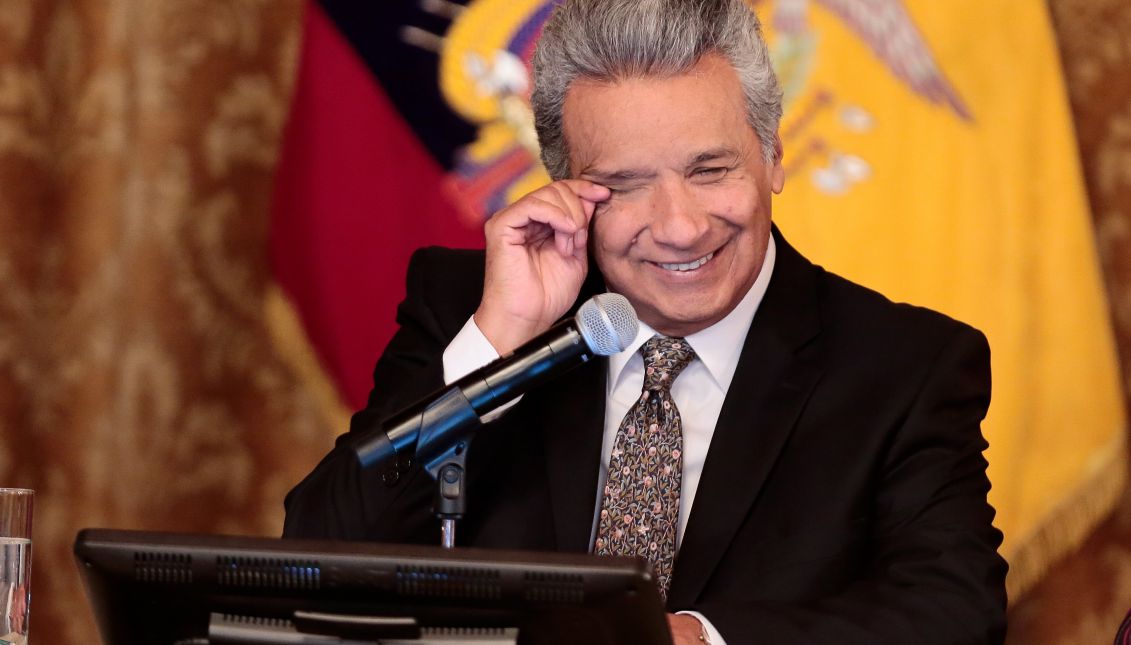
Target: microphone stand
{"type": "Point", "coordinates": [449, 470]}
{"type": "Point", "coordinates": [438, 435]}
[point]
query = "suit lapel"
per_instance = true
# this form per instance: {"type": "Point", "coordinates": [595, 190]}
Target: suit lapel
{"type": "Point", "coordinates": [766, 396]}
{"type": "Point", "coordinates": [573, 430]}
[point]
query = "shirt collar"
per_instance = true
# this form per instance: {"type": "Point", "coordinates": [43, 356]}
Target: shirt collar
{"type": "Point", "coordinates": [715, 345]}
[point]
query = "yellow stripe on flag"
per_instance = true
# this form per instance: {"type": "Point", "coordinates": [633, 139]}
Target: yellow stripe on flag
{"type": "Point", "coordinates": [984, 219]}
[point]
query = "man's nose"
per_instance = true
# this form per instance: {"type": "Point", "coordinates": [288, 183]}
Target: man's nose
{"type": "Point", "coordinates": [679, 220]}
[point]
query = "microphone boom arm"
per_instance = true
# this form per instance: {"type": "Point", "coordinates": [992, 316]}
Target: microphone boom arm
{"type": "Point", "coordinates": [429, 428]}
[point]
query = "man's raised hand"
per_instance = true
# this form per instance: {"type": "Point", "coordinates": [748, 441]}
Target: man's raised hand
{"type": "Point", "coordinates": [536, 261]}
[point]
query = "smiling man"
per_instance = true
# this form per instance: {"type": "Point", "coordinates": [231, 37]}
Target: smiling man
{"type": "Point", "coordinates": [685, 231]}
{"type": "Point", "coordinates": [798, 457]}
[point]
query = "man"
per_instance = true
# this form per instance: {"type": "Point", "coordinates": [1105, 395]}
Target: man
{"type": "Point", "coordinates": [819, 476]}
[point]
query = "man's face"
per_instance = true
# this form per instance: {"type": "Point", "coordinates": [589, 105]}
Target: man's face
{"type": "Point", "coordinates": [684, 234]}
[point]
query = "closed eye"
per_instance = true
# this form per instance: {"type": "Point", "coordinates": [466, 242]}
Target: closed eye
{"type": "Point", "coordinates": [621, 190]}
{"type": "Point", "coordinates": [616, 193]}
{"type": "Point", "coordinates": [709, 174]}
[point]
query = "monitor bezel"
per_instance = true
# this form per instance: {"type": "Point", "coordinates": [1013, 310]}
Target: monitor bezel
{"type": "Point", "coordinates": [155, 587]}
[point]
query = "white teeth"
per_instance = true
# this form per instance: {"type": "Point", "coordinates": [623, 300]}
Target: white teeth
{"type": "Point", "coordinates": [687, 266]}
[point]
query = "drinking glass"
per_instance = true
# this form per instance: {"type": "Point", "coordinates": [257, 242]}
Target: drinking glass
{"type": "Point", "coordinates": [15, 564]}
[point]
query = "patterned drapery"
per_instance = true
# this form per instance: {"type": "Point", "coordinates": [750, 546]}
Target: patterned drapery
{"type": "Point", "coordinates": [140, 386]}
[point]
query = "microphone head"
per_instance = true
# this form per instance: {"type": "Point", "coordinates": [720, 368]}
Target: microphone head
{"type": "Point", "coordinates": [608, 323]}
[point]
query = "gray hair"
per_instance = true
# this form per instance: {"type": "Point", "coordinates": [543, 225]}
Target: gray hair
{"type": "Point", "coordinates": [609, 40]}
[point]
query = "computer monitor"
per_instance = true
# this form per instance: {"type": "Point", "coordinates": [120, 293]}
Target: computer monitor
{"type": "Point", "coordinates": [182, 589]}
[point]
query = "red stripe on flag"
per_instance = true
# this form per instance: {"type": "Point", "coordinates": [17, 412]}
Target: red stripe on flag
{"type": "Point", "coordinates": [355, 194]}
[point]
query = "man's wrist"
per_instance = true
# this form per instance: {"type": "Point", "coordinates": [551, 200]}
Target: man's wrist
{"type": "Point", "coordinates": [504, 336]}
{"type": "Point", "coordinates": [467, 352]}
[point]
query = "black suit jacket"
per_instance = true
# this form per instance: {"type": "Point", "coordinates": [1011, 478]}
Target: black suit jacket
{"type": "Point", "coordinates": [843, 499]}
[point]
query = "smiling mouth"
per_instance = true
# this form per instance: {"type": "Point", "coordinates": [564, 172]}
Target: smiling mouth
{"type": "Point", "coordinates": [687, 266]}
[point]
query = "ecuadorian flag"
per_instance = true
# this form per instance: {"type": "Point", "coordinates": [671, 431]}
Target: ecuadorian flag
{"type": "Point", "coordinates": [929, 154]}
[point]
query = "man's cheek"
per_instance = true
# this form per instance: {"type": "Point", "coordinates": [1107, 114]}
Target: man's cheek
{"type": "Point", "coordinates": [610, 235]}
{"type": "Point", "coordinates": [741, 209]}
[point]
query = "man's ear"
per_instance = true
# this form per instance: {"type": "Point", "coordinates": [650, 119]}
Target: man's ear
{"type": "Point", "coordinates": [777, 176]}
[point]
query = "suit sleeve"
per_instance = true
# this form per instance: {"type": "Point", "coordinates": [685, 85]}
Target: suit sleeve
{"type": "Point", "coordinates": [339, 499]}
{"type": "Point", "coordinates": [933, 574]}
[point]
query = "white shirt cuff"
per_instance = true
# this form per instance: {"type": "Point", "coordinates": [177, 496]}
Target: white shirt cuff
{"type": "Point", "coordinates": [467, 352]}
{"type": "Point", "coordinates": [713, 635]}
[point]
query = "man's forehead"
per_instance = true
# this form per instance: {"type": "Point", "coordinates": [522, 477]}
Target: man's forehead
{"type": "Point", "coordinates": [631, 126]}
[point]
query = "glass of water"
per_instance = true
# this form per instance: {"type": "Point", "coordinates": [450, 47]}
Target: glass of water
{"type": "Point", "coordinates": [15, 564]}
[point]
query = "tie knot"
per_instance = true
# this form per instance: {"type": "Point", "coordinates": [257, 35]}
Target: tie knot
{"type": "Point", "coordinates": [664, 359]}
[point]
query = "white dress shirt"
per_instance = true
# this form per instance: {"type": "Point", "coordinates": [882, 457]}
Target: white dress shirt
{"type": "Point", "coordinates": [698, 392]}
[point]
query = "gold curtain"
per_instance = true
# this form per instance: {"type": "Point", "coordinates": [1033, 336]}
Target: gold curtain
{"type": "Point", "coordinates": [139, 385]}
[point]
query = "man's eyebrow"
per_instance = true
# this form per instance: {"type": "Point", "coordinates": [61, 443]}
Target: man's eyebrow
{"type": "Point", "coordinates": [714, 154]}
{"type": "Point", "coordinates": [614, 176]}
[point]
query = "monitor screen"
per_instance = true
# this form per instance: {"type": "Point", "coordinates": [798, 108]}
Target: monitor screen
{"type": "Point", "coordinates": [183, 589]}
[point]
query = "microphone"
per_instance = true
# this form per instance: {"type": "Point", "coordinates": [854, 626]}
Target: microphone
{"type": "Point", "coordinates": [604, 325]}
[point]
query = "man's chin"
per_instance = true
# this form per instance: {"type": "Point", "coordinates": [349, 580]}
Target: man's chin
{"type": "Point", "coordinates": [678, 310]}
{"type": "Point", "coordinates": [682, 321]}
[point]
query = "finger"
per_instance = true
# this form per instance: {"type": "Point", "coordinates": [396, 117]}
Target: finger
{"type": "Point", "coordinates": [568, 200]}
{"type": "Point", "coordinates": [580, 210]}
{"type": "Point", "coordinates": [565, 244]}
{"type": "Point", "coordinates": [587, 190]}
{"type": "Point", "coordinates": [542, 219]}
{"type": "Point", "coordinates": [532, 213]}
{"type": "Point", "coordinates": [565, 234]}
{"type": "Point", "coordinates": [569, 205]}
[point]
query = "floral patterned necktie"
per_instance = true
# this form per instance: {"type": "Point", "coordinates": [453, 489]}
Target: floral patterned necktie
{"type": "Point", "coordinates": [640, 508]}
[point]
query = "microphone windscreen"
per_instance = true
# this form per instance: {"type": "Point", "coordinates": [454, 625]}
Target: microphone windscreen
{"type": "Point", "coordinates": [608, 323]}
